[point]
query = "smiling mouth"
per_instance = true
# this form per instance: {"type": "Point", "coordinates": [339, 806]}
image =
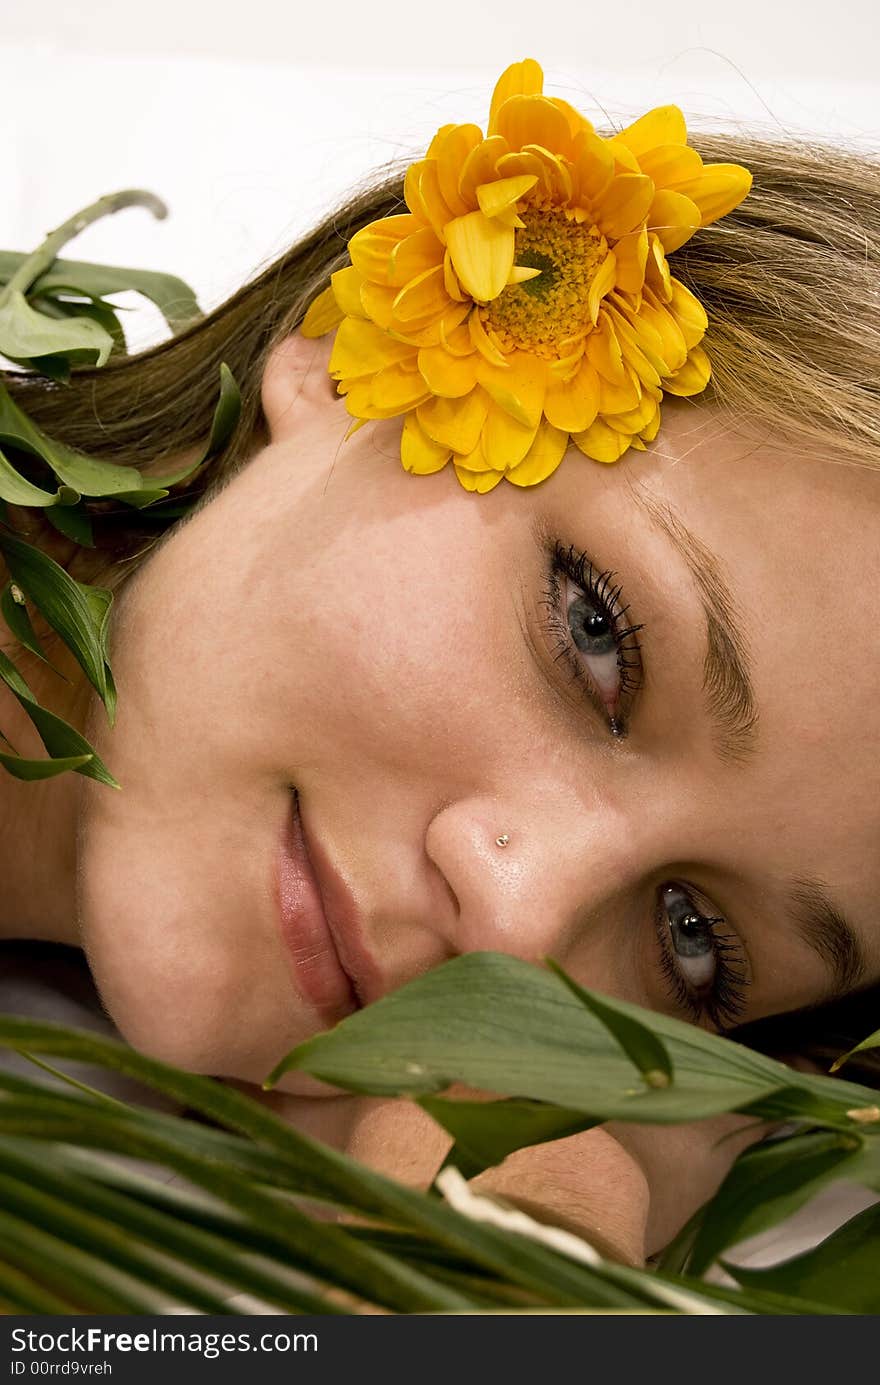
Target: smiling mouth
{"type": "Point", "coordinates": [317, 972]}
{"type": "Point", "coordinates": [320, 926]}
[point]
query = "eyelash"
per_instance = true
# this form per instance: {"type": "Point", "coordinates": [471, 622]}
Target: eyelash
{"type": "Point", "coordinates": [724, 1004]}
{"type": "Point", "coordinates": [725, 1001]}
{"type": "Point", "coordinates": [597, 587]}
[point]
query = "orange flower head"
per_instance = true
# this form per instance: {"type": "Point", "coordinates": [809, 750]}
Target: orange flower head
{"type": "Point", "coordinates": [524, 299]}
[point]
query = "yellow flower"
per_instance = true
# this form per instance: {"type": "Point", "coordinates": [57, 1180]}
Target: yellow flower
{"type": "Point", "coordinates": [524, 298]}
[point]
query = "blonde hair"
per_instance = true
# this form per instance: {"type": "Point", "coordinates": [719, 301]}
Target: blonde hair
{"type": "Point", "coordinates": [789, 280]}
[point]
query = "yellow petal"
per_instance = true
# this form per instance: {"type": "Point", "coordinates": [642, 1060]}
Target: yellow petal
{"type": "Point", "coordinates": [557, 178]}
{"type": "Point", "coordinates": [505, 442]}
{"type": "Point", "coordinates": [347, 288]}
{"type": "Point", "coordinates": [450, 154]}
{"type": "Point", "coordinates": [520, 79]}
{"type": "Point", "coordinates": [456, 423]}
{"type": "Point", "coordinates": [397, 389]}
{"type": "Point", "coordinates": [484, 342]}
{"type": "Point", "coordinates": [425, 296]}
{"type": "Point", "coordinates": [634, 420]}
{"type": "Point", "coordinates": [479, 481]}
{"type": "Point", "coordinates": [673, 347]}
{"type": "Point", "coordinates": [601, 443]}
{"type": "Point", "coordinates": [567, 366]}
{"type": "Point", "coordinates": [657, 269]}
{"type": "Point", "coordinates": [480, 166]}
{"type": "Point", "coordinates": [533, 120]}
{"type": "Point", "coordinates": [593, 167]}
{"type": "Point", "coordinates": [451, 377]}
{"type": "Point", "coordinates": [601, 284]}
{"type": "Point", "coordinates": [717, 190]}
{"type": "Point", "coordinates": [577, 123]}
{"type": "Point", "coordinates": [473, 461]}
{"type": "Point", "coordinates": [424, 332]}
{"type": "Point", "coordinates": [662, 125]}
{"type": "Point", "coordinates": [524, 164]}
{"type": "Point", "coordinates": [625, 205]}
{"type": "Point", "coordinates": [572, 405]}
{"type": "Point", "coordinates": [649, 433]}
{"type": "Point", "coordinates": [603, 350]}
{"type": "Point", "coordinates": [457, 342]}
{"type": "Point", "coordinates": [542, 458]}
{"type": "Point", "coordinates": [518, 387]}
{"type": "Point", "coordinates": [673, 218]}
{"type": "Point", "coordinates": [631, 254]}
{"type": "Point", "coordinates": [322, 315]}
{"type": "Point", "coordinates": [482, 254]}
{"type": "Point", "coordinates": [617, 399]}
{"type": "Point", "coordinates": [360, 403]}
{"type": "Point", "coordinates": [377, 302]}
{"type": "Point", "coordinates": [370, 248]}
{"type": "Point", "coordinates": [624, 159]}
{"type": "Point", "coordinates": [418, 452]}
{"type": "Point", "coordinates": [688, 312]}
{"type": "Point", "coordinates": [670, 164]}
{"type": "Point", "coordinates": [521, 274]}
{"type": "Point", "coordinates": [496, 197]}
{"type": "Point", "coordinates": [438, 139]}
{"type": "Point", "coordinates": [693, 376]}
{"type": "Point", "coordinates": [413, 256]}
{"type": "Point", "coordinates": [362, 348]}
{"type": "Point", "coordinates": [421, 189]}
{"type": "Point", "coordinates": [645, 363]}
{"type": "Point", "coordinates": [450, 280]}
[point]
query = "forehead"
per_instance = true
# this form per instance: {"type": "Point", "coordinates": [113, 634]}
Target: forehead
{"type": "Point", "coordinates": [796, 537]}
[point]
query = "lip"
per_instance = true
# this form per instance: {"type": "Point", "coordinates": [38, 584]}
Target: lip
{"type": "Point", "coordinates": [320, 928]}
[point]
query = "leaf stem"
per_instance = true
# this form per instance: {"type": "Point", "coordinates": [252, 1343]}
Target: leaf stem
{"type": "Point", "coordinates": [42, 258]}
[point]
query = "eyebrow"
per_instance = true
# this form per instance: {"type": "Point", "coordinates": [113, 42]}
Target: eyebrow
{"type": "Point", "coordinates": [824, 928]}
{"type": "Point", "coordinates": [819, 922]}
{"type": "Point", "coordinates": [727, 683]}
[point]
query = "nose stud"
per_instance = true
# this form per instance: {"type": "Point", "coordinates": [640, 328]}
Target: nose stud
{"type": "Point", "coordinates": [503, 839]}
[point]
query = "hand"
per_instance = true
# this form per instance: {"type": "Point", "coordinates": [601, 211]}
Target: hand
{"type": "Point", "coordinates": [627, 1189]}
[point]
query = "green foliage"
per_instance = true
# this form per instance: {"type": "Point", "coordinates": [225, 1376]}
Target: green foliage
{"type": "Point", "coordinates": [53, 318]}
{"type": "Point", "coordinates": [83, 1232]}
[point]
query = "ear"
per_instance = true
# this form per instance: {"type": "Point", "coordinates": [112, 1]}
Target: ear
{"type": "Point", "coordinates": [295, 378]}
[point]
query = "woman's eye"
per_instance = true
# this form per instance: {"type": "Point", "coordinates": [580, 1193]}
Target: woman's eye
{"type": "Point", "coordinates": [585, 615]}
{"type": "Point", "coordinates": [703, 966]}
{"type": "Point", "coordinates": [593, 632]}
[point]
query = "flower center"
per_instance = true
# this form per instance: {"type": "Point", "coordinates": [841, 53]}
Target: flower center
{"type": "Point", "coordinates": [544, 313]}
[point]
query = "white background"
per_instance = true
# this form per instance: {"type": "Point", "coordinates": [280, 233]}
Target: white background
{"type": "Point", "coordinates": [251, 119]}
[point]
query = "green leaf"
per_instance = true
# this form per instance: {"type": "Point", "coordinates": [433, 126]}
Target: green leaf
{"type": "Point", "coordinates": [505, 1026]}
{"type": "Point", "coordinates": [25, 1295]}
{"type": "Point", "coordinates": [60, 739]}
{"type": "Point", "coordinates": [872, 1041]}
{"type": "Point", "coordinates": [31, 770]}
{"type": "Point", "coordinates": [286, 1158]}
{"type": "Point", "coordinates": [174, 298]}
{"type": "Point", "coordinates": [767, 1183]}
{"type": "Point", "coordinates": [647, 1051]}
{"type": "Point", "coordinates": [78, 613]}
{"type": "Point", "coordinates": [486, 1132]}
{"type": "Point", "coordinates": [18, 490]}
{"type": "Point", "coordinates": [105, 314]}
{"type": "Point", "coordinates": [15, 613]}
{"type": "Point", "coordinates": [81, 474]}
{"type": "Point", "coordinates": [74, 522]}
{"type": "Point", "coordinates": [843, 1271]}
{"type": "Point", "coordinates": [26, 333]}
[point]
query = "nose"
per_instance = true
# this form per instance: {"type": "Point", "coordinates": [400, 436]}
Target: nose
{"type": "Point", "coordinates": [529, 879]}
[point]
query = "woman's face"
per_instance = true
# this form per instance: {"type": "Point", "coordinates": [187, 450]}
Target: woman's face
{"type": "Point", "coordinates": [412, 675]}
